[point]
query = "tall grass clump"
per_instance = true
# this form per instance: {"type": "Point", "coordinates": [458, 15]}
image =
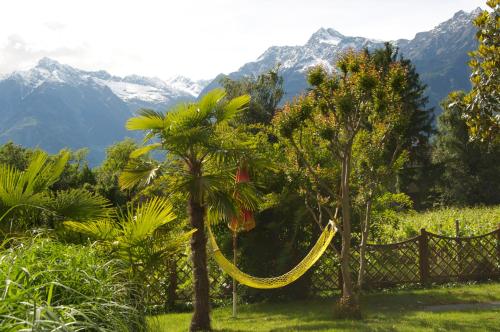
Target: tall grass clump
{"type": "Point", "coordinates": [49, 286]}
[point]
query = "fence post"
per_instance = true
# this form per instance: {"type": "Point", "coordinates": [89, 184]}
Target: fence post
{"type": "Point", "coordinates": [423, 256]}
{"type": "Point", "coordinates": [460, 267]}
{"type": "Point", "coordinates": [498, 244]}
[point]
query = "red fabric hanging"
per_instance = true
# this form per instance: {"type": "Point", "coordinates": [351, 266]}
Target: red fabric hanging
{"type": "Point", "coordinates": [242, 175]}
{"type": "Point", "coordinates": [245, 220]}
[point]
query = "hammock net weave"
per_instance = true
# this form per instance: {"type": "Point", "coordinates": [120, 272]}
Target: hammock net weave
{"type": "Point", "coordinates": [279, 281]}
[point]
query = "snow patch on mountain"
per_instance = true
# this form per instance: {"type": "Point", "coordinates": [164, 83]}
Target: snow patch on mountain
{"type": "Point", "coordinates": [187, 85]}
{"type": "Point", "coordinates": [130, 91]}
{"type": "Point", "coordinates": [128, 88]}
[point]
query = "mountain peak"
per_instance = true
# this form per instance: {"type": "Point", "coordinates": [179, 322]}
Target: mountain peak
{"type": "Point", "coordinates": [476, 11]}
{"type": "Point", "coordinates": [49, 64]}
{"type": "Point", "coordinates": [463, 16]}
{"type": "Point", "coordinates": [326, 36]}
{"type": "Point", "coordinates": [457, 23]}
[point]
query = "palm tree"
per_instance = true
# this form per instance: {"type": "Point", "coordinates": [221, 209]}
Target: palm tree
{"type": "Point", "coordinates": [135, 234]}
{"type": "Point", "coordinates": [136, 237]}
{"type": "Point", "coordinates": [203, 149]}
{"type": "Point", "coordinates": [25, 194]}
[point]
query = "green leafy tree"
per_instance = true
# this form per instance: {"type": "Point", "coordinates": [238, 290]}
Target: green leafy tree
{"type": "Point", "coordinates": [338, 107]}
{"type": "Point", "coordinates": [266, 91]}
{"type": "Point", "coordinates": [203, 150]}
{"type": "Point", "coordinates": [374, 171]}
{"type": "Point", "coordinates": [397, 134]}
{"type": "Point", "coordinates": [414, 133]}
{"type": "Point", "coordinates": [483, 115]}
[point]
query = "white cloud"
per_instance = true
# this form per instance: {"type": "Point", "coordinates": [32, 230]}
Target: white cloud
{"type": "Point", "coordinates": [17, 54]}
{"type": "Point", "coordinates": [55, 25]}
{"type": "Point", "coordinates": [198, 39]}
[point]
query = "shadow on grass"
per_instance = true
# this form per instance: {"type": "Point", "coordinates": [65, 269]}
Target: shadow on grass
{"type": "Point", "coordinates": [384, 311]}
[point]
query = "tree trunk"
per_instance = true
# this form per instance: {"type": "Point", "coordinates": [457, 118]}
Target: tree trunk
{"type": "Point", "coordinates": [172, 285]}
{"type": "Point", "coordinates": [364, 239]}
{"type": "Point", "coordinates": [346, 228]}
{"type": "Point", "coordinates": [201, 315]}
{"type": "Point", "coordinates": [348, 306]}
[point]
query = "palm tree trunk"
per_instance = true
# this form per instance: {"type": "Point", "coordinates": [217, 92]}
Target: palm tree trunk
{"type": "Point", "coordinates": [364, 239]}
{"type": "Point", "coordinates": [201, 316]}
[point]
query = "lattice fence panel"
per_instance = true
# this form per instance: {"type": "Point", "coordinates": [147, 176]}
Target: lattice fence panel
{"type": "Point", "coordinates": [457, 259]}
{"type": "Point", "coordinates": [446, 259]}
{"type": "Point", "coordinates": [325, 277]}
{"type": "Point", "coordinates": [392, 264]}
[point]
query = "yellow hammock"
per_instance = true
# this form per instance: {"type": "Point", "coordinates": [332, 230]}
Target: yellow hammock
{"type": "Point", "coordinates": [282, 280]}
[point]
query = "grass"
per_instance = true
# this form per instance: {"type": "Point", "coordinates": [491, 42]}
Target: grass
{"type": "Point", "coordinates": [401, 310]}
{"type": "Point", "coordinates": [49, 286]}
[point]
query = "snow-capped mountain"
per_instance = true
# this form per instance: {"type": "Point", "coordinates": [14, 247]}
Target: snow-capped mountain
{"type": "Point", "coordinates": [54, 105]}
{"type": "Point", "coordinates": [440, 56]}
{"type": "Point", "coordinates": [134, 89]}
{"type": "Point", "coordinates": [320, 49]}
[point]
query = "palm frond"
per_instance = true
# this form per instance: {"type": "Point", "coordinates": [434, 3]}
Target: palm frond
{"type": "Point", "coordinates": [234, 107]}
{"type": "Point", "coordinates": [187, 116]}
{"type": "Point", "coordinates": [147, 120]}
{"type": "Point", "coordinates": [29, 187]}
{"type": "Point", "coordinates": [248, 197]}
{"type": "Point", "coordinates": [137, 173]}
{"type": "Point", "coordinates": [210, 101]}
{"type": "Point", "coordinates": [221, 207]}
{"type": "Point", "coordinates": [102, 230]}
{"type": "Point", "coordinates": [145, 149]}
{"type": "Point", "coordinates": [141, 222]}
{"type": "Point", "coordinates": [57, 167]}
{"type": "Point", "coordinates": [80, 204]}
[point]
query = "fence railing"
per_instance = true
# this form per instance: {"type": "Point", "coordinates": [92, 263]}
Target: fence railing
{"type": "Point", "coordinates": [424, 259]}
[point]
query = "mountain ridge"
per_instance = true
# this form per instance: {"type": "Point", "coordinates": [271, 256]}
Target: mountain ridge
{"type": "Point", "coordinates": [53, 105]}
{"type": "Point", "coordinates": [425, 48]}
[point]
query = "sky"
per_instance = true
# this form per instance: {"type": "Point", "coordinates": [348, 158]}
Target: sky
{"type": "Point", "coordinates": [197, 39]}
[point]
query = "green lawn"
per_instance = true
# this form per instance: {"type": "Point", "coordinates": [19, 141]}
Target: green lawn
{"type": "Point", "coordinates": [390, 311]}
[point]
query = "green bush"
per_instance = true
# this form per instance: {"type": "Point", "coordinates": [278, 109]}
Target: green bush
{"type": "Point", "coordinates": [46, 285]}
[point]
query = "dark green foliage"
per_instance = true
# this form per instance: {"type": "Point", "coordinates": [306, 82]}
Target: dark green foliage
{"type": "Point", "coordinates": [284, 233]}
{"type": "Point", "coordinates": [468, 170]}
{"type": "Point", "coordinates": [77, 173]}
{"type": "Point", "coordinates": [15, 155]}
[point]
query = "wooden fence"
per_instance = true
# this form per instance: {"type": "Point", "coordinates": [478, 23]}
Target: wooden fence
{"type": "Point", "coordinates": [424, 259]}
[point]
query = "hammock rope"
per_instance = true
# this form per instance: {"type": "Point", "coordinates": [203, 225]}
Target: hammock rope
{"type": "Point", "coordinates": [274, 282]}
